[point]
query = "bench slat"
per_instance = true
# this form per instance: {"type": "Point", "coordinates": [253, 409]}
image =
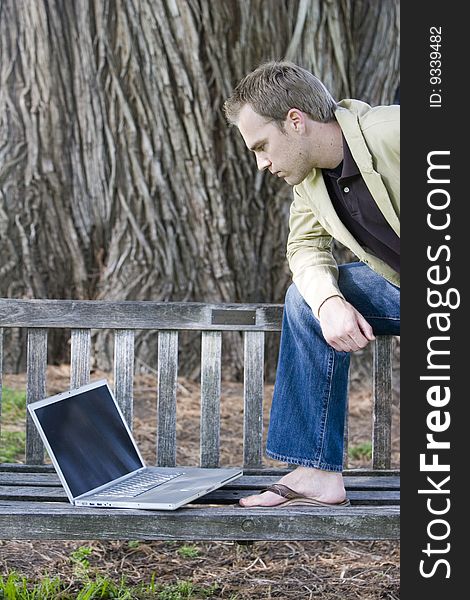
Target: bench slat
{"type": "Point", "coordinates": [36, 365]}
{"type": "Point", "coordinates": [143, 314]}
{"type": "Point", "coordinates": [80, 357]}
{"type": "Point", "coordinates": [220, 496]}
{"type": "Point", "coordinates": [253, 399]}
{"type": "Point", "coordinates": [166, 408]}
{"type": "Point", "coordinates": [57, 520]}
{"type": "Point", "coordinates": [211, 356]}
{"type": "Point", "coordinates": [382, 388]}
{"type": "Point", "coordinates": [366, 480]}
{"type": "Point", "coordinates": [124, 372]}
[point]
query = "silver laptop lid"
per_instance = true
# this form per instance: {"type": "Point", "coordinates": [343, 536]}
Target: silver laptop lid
{"type": "Point", "coordinates": [87, 438]}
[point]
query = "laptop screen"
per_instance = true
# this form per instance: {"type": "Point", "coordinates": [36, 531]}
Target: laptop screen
{"type": "Point", "coordinates": [89, 439]}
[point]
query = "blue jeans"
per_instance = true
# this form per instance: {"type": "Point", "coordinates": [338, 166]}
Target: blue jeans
{"type": "Point", "coordinates": [310, 394]}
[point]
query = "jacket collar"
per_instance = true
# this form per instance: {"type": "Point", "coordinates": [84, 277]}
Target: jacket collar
{"type": "Point", "coordinates": [347, 114]}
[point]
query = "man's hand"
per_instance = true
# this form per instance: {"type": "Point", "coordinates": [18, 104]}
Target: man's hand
{"type": "Point", "coordinates": [343, 327]}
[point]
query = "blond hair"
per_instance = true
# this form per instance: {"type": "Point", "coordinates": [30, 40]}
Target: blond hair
{"type": "Point", "coordinates": [275, 87]}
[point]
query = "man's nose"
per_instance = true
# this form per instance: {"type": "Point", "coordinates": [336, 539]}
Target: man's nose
{"type": "Point", "coordinates": [262, 162]}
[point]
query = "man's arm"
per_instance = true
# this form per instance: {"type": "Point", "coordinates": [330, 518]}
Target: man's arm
{"type": "Point", "coordinates": [314, 269]}
{"type": "Point", "coordinates": [315, 273]}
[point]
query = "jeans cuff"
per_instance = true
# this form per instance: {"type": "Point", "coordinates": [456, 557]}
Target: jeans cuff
{"type": "Point", "coordinates": [305, 462]}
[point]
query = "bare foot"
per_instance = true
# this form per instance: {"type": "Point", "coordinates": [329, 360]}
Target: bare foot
{"type": "Point", "coordinates": [326, 486]}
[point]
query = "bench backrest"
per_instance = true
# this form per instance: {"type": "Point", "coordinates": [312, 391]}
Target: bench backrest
{"type": "Point", "coordinates": [126, 318]}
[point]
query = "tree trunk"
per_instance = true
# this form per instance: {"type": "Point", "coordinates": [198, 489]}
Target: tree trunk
{"type": "Point", "coordinates": [119, 178]}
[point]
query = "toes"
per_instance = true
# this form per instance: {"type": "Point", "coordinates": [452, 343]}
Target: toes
{"type": "Point", "coordinates": [265, 499]}
{"type": "Point", "coordinates": [249, 501]}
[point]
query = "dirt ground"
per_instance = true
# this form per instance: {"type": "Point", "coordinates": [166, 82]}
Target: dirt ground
{"type": "Point", "coordinates": [349, 570]}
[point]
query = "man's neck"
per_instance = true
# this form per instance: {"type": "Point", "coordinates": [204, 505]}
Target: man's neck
{"type": "Point", "coordinates": [334, 157]}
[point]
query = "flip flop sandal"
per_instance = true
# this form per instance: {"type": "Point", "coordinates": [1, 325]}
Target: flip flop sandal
{"type": "Point", "coordinates": [294, 498]}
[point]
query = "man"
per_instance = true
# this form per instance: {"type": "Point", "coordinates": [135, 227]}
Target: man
{"type": "Point", "coordinates": [342, 160]}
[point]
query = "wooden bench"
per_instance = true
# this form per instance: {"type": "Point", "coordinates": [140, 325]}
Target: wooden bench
{"type": "Point", "coordinates": [33, 503]}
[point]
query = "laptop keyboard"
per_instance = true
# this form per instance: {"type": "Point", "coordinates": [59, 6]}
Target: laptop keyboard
{"type": "Point", "coordinates": [140, 483]}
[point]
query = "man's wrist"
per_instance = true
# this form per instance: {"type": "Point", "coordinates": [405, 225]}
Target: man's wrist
{"type": "Point", "coordinates": [326, 300]}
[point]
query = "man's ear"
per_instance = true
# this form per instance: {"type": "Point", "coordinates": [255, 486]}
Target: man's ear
{"type": "Point", "coordinates": [296, 120]}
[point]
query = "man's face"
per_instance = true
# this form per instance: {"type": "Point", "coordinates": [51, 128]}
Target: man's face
{"type": "Point", "coordinates": [284, 153]}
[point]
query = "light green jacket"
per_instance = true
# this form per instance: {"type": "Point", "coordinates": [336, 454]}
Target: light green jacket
{"type": "Point", "coordinates": [373, 136]}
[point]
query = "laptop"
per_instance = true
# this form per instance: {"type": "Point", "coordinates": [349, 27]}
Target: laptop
{"type": "Point", "coordinates": [97, 459]}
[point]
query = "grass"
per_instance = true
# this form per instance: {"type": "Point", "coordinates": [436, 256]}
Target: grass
{"type": "Point", "coordinates": [87, 584]}
{"type": "Point", "coordinates": [12, 440]}
{"type": "Point", "coordinates": [188, 552]}
{"type": "Point", "coordinates": [361, 451]}
{"type": "Point", "coordinates": [17, 587]}
{"type": "Point", "coordinates": [14, 587]}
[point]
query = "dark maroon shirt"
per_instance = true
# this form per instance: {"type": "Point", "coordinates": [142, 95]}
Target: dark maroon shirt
{"type": "Point", "coordinates": [358, 211]}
